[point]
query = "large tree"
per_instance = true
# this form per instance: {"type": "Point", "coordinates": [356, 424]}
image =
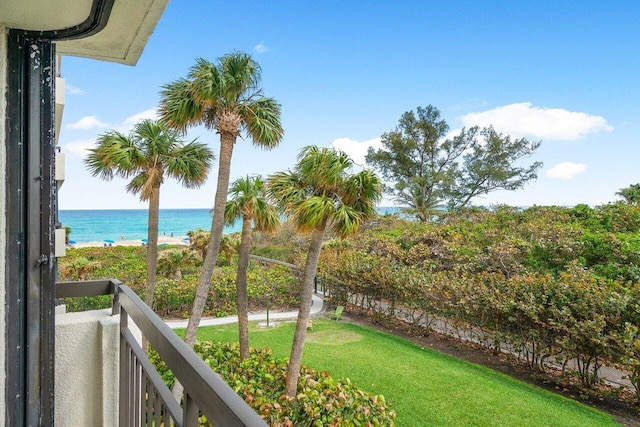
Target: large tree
{"type": "Point", "coordinates": [320, 194]}
{"type": "Point", "coordinates": [630, 194]}
{"type": "Point", "coordinates": [429, 170]}
{"type": "Point", "coordinates": [248, 203]}
{"type": "Point", "coordinates": [148, 154]}
{"type": "Point", "coordinates": [226, 98]}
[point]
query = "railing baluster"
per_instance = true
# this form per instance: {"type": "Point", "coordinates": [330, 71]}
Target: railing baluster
{"type": "Point", "coordinates": [158, 412]}
{"type": "Point", "coordinates": [144, 398]}
{"type": "Point", "coordinates": [190, 412]}
{"type": "Point", "coordinates": [138, 391]}
{"type": "Point", "coordinates": [132, 389]}
{"type": "Point", "coordinates": [150, 396]}
{"type": "Point", "coordinates": [124, 369]}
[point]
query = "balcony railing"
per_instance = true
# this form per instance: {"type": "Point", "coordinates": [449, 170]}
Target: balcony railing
{"type": "Point", "coordinates": [144, 399]}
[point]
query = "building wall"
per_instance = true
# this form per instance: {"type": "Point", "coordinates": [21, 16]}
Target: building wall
{"type": "Point", "coordinates": [86, 369]}
{"type": "Point", "coordinates": [3, 210]}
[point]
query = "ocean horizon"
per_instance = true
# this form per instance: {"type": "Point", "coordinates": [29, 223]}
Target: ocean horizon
{"type": "Point", "coordinates": [89, 225]}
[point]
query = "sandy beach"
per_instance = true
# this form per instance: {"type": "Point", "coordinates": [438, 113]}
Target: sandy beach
{"type": "Point", "coordinates": [123, 242]}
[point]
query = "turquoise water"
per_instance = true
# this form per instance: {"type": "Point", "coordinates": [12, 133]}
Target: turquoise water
{"type": "Point", "coordinates": [98, 225]}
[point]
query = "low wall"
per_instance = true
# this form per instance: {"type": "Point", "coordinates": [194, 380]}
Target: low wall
{"type": "Point", "coordinates": [86, 369]}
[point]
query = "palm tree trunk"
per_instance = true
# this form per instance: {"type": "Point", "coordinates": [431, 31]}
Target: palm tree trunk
{"type": "Point", "coordinates": [217, 225]}
{"type": "Point", "coordinates": [241, 287]}
{"type": "Point", "coordinates": [306, 292]}
{"type": "Point", "coordinates": [152, 246]}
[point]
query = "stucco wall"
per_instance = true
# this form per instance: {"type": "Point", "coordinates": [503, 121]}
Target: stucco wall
{"type": "Point", "coordinates": [3, 209]}
{"type": "Point", "coordinates": [86, 369]}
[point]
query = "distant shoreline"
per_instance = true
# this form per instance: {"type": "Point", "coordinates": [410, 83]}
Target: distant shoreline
{"type": "Point", "coordinates": [137, 242]}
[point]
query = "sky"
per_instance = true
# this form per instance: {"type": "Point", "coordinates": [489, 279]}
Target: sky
{"type": "Point", "coordinates": [561, 72]}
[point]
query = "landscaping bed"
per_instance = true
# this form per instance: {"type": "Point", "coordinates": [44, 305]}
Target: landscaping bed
{"type": "Point", "coordinates": [603, 397]}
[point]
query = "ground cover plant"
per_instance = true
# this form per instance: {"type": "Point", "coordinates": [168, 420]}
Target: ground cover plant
{"type": "Point", "coordinates": [174, 297]}
{"type": "Point", "coordinates": [424, 387]}
{"type": "Point", "coordinates": [260, 379]}
{"type": "Point", "coordinates": [558, 284]}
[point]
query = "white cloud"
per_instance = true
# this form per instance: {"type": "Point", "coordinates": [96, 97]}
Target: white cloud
{"type": "Point", "coordinates": [87, 123]}
{"type": "Point", "coordinates": [151, 113]}
{"type": "Point", "coordinates": [523, 119]}
{"type": "Point", "coordinates": [260, 48]}
{"type": "Point", "coordinates": [127, 125]}
{"type": "Point", "coordinates": [355, 149]}
{"type": "Point", "coordinates": [566, 170]}
{"type": "Point", "coordinates": [78, 148]}
{"type": "Point", "coordinates": [74, 90]}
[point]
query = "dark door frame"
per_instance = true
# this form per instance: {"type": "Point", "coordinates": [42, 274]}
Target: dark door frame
{"type": "Point", "coordinates": [31, 215]}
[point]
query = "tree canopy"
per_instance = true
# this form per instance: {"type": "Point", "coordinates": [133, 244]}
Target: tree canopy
{"type": "Point", "coordinates": [630, 194]}
{"type": "Point", "coordinates": [320, 194]}
{"type": "Point", "coordinates": [150, 153]}
{"type": "Point", "coordinates": [224, 96]}
{"type": "Point", "coordinates": [428, 169]}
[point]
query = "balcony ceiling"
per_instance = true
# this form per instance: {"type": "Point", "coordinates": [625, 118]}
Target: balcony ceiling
{"type": "Point", "coordinates": [122, 40]}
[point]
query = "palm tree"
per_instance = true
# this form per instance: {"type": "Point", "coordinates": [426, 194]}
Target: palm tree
{"type": "Point", "coordinates": [150, 152]}
{"type": "Point", "coordinates": [171, 262]}
{"type": "Point", "coordinates": [248, 201]}
{"type": "Point", "coordinates": [630, 194]}
{"type": "Point", "coordinates": [228, 246]}
{"type": "Point", "coordinates": [198, 241]}
{"type": "Point", "coordinates": [225, 97]}
{"type": "Point", "coordinates": [321, 194]}
{"type": "Point", "coordinates": [79, 267]}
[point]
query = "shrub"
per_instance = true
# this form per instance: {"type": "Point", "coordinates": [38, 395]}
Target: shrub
{"type": "Point", "coordinates": [260, 380]}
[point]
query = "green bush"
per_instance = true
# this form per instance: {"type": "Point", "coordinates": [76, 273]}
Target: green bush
{"type": "Point", "coordinates": [174, 298]}
{"type": "Point", "coordinates": [260, 380]}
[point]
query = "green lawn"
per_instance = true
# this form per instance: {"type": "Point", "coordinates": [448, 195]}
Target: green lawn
{"type": "Point", "coordinates": [426, 388]}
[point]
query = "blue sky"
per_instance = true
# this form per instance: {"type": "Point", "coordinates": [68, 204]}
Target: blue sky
{"type": "Point", "coordinates": [562, 72]}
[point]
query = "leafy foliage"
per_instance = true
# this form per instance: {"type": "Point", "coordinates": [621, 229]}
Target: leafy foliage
{"type": "Point", "coordinates": [321, 194]}
{"type": "Point", "coordinates": [321, 400]}
{"type": "Point", "coordinates": [429, 170]}
{"type": "Point", "coordinates": [224, 96]}
{"type": "Point", "coordinates": [557, 284]}
{"type": "Point", "coordinates": [630, 194]}
{"type": "Point", "coordinates": [173, 298]}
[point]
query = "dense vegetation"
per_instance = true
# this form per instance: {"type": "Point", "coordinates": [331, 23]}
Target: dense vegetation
{"type": "Point", "coordinates": [424, 387]}
{"type": "Point", "coordinates": [559, 284]}
{"type": "Point", "coordinates": [174, 297]}
{"type": "Point", "coordinates": [260, 380]}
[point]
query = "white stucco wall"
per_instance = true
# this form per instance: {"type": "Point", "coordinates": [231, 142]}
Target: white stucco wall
{"type": "Point", "coordinates": [3, 210]}
{"type": "Point", "coordinates": [86, 369]}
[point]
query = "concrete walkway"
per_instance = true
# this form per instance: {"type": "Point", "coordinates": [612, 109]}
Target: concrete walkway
{"type": "Point", "coordinates": [317, 307]}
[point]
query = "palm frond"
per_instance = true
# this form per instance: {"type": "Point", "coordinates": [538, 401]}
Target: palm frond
{"type": "Point", "coordinates": [241, 77]}
{"type": "Point", "coordinates": [137, 186]}
{"type": "Point", "coordinates": [262, 122]}
{"type": "Point", "coordinates": [115, 155]}
{"type": "Point", "coordinates": [207, 86]}
{"type": "Point", "coordinates": [190, 164]}
{"type": "Point", "coordinates": [178, 106]}
{"type": "Point", "coordinates": [314, 211]}
{"type": "Point", "coordinates": [346, 220]}
{"type": "Point", "coordinates": [320, 191]}
{"type": "Point", "coordinates": [232, 212]}
{"type": "Point", "coordinates": [249, 199]}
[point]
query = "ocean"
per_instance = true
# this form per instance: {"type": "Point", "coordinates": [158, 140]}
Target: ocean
{"type": "Point", "coordinates": [98, 225]}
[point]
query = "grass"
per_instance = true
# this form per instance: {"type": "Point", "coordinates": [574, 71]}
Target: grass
{"type": "Point", "coordinates": [424, 387]}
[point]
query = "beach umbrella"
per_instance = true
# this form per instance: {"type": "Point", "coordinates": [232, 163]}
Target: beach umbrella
{"type": "Point", "coordinates": [72, 242]}
{"type": "Point", "coordinates": [109, 241]}
{"type": "Point", "coordinates": [145, 240]}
